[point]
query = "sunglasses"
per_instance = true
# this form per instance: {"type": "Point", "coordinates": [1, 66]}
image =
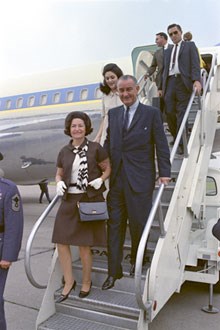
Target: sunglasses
{"type": "Point", "coordinates": [173, 33]}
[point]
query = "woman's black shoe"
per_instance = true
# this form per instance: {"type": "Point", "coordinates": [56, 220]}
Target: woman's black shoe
{"type": "Point", "coordinates": [84, 294]}
{"type": "Point", "coordinates": [63, 297]}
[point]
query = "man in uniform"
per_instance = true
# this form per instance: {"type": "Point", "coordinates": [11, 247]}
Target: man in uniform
{"type": "Point", "coordinates": [11, 229]}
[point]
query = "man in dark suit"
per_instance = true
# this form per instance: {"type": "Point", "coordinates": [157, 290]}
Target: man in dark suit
{"type": "Point", "coordinates": [181, 75]}
{"type": "Point", "coordinates": [134, 132]}
{"type": "Point", "coordinates": [11, 229]}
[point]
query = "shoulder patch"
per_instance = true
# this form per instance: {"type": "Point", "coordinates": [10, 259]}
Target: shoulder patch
{"type": "Point", "coordinates": [15, 203]}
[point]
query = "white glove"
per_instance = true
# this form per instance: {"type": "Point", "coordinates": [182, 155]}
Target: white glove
{"type": "Point", "coordinates": [96, 184]}
{"type": "Point", "coordinates": [61, 187]}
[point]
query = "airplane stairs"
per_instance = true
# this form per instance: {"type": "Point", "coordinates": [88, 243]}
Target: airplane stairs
{"type": "Point", "coordinates": [125, 307]}
{"type": "Point", "coordinates": [178, 251]}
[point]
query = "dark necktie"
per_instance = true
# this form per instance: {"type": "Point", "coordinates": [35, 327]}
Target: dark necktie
{"type": "Point", "coordinates": [174, 57]}
{"type": "Point", "coordinates": [126, 120]}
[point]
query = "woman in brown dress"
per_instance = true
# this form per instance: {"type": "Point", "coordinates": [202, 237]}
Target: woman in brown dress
{"type": "Point", "coordinates": [82, 168]}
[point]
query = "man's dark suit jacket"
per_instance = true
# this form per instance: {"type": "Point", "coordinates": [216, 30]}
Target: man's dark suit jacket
{"type": "Point", "coordinates": [137, 148]}
{"type": "Point", "coordinates": [188, 62]}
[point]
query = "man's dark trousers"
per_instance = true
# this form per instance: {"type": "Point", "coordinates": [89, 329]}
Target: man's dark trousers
{"type": "Point", "coordinates": [3, 277]}
{"type": "Point", "coordinates": [176, 99]}
{"type": "Point", "coordinates": [125, 204]}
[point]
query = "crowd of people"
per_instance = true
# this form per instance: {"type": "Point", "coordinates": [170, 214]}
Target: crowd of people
{"type": "Point", "coordinates": [123, 151]}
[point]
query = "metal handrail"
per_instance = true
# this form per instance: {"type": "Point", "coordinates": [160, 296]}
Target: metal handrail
{"type": "Point", "coordinates": [27, 263]}
{"type": "Point", "coordinates": [142, 88]}
{"type": "Point", "coordinates": [139, 81]}
{"type": "Point", "coordinates": [141, 248]}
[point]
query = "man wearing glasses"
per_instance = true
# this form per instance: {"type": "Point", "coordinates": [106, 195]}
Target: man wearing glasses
{"type": "Point", "coordinates": [181, 76]}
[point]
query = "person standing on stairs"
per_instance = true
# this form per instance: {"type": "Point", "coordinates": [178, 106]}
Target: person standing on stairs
{"type": "Point", "coordinates": [135, 131]}
{"type": "Point", "coordinates": [82, 168]}
{"type": "Point", "coordinates": [157, 61]}
{"type": "Point", "coordinates": [110, 99]}
{"type": "Point", "coordinates": [181, 75]}
{"type": "Point", "coordinates": [157, 64]}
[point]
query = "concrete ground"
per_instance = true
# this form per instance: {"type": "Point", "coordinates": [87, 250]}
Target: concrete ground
{"type": "Point", "coordinates": [22, 300]}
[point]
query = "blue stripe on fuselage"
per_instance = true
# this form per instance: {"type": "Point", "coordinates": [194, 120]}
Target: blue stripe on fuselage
{"type": "Point", "coordinates": [83, 93]}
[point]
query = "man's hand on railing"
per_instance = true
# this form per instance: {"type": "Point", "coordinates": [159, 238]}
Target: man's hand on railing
{"type": "Point", "coordinates": [160, 93]}
{"type": "Point", "coordinates": [164, 180]}
{"type": "Point", "coordinates": [197, 85]}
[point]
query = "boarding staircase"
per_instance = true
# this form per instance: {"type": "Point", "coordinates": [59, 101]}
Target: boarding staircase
{"type": "Point", "coordinates": [134, 302]}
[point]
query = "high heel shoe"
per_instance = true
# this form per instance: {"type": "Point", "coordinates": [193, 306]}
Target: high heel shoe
{"type": "Point", "coordinates": [84, 294]}
{"type": "Point", "coordinates": [63, 297]}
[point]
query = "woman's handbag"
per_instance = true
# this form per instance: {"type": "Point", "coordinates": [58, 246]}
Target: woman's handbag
{"type": "Point", "coordinates": [93, 211]}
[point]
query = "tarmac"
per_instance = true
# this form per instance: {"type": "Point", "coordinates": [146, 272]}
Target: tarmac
{"type": "Point", "coordinates": [22, 300]}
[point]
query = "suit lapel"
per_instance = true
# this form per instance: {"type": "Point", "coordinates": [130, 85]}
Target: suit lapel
{"type": "Point", "coordinates": [181, 47]}
{"type": "Point", "coordinates": [136, 117]}
{"type": "Point", "coordinates": [120, 119]}
{"type": "Point", "coordinates": [167, 55]}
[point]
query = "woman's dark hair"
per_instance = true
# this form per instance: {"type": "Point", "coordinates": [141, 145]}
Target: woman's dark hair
{"type": "Point", "coordinates": [113, 68]}
{"type": "Point", "coordinates": [80, 115]}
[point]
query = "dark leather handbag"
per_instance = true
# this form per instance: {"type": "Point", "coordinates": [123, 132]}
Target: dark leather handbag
{"type": "Point", "coordinates": [93, 211]}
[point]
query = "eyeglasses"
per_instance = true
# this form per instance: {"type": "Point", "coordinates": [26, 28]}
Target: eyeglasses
{"type": "Point", "coordinates": [173, 33]}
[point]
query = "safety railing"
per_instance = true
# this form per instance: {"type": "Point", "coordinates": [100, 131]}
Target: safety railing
{"type": "Point", "coordinates": [146, 306]}
{"type": "Point", "coordinates": [27, 258]}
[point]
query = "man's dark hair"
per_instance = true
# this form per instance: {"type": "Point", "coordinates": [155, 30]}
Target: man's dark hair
{"type": "Point", "coordinates": [173, 25]}
{"type": "Point", "coordinates": [162, 34]}
{"type": "Point", "coordinates": [127, 77]}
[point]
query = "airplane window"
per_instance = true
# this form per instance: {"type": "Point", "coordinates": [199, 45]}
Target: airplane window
{"type": "Point", "coordinates": [8, 104]}
{"type": "Point", "coordinates": [19, 102]}
{"type": "Point", "coordinates": [43, 99]}
{"type": "Point", "coordinates": [56, 98]}
{"type": "Point", "coordinates": [69, 96]}
{"type": "Point", "coordinates": [31, 101]}
{"type": "Point", "coordinates": [84, 94]}
{"type": "Point", "coordinates": [211, 187]}
{"type": "Point", "coordinates": [98, 93]}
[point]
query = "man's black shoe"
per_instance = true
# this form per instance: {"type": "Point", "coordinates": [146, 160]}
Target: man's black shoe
{"type": "Point", "coordinates": [110, 282]}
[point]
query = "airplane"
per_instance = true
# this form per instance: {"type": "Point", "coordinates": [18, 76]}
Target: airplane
{"type": "Point", "coordinates": [33, 109]}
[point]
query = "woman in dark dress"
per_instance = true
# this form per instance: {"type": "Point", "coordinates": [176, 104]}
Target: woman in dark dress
{"type": "Point", "coordinates": [82, 168]}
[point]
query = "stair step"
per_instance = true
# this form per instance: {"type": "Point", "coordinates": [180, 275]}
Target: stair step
{"type": "Point", "coordinates": [119, 303]}
{"type": "Point", "coordinates": [60, 321]}
{"type": "Point", "coordinates": [100, 273]}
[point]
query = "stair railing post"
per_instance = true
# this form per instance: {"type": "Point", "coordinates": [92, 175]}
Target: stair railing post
{"type": "Point", "coordinates": [210, 309]}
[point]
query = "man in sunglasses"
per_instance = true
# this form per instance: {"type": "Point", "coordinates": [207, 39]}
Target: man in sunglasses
{"type": "Point", "coordinates": [181, 75]}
